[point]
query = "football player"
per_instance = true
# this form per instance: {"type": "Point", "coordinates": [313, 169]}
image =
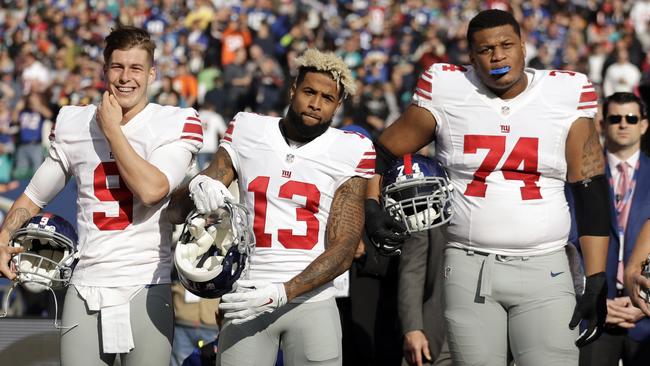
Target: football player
{"type": "Point", "coordinates": [126, 155]}
{"type": "Point", "coordinates": [305, 184]}
{"type": "Point", "coordinates": [510, 138]}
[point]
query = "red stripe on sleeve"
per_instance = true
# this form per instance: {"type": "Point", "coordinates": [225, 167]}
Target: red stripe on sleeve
{"type": "Point", "coordinates": [195, 119]}
{"type": "Point", "coordinates": [192, 128]}
{"type": "Point", "coordinates": [366, 164]}
{"type": "Point", "coordinates": [588, 97]}
{"type": "Point", "coordinates": [421, 94]}
{"type": "Point", "coordinates": [424, 85]}
{"type": "Point", "coordinates": [188, 137]}
{"type": "Point", "coordinates": [230, 129]}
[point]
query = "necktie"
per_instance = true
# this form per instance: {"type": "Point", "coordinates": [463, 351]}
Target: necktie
{"type": "Point", "coordinates": [622, 208]}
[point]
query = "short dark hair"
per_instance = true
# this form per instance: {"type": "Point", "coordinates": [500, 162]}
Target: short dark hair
{"type": "Point", "coordinates": [491, 19]}
{"type": "Point", "coordinates": [126, 37]}
{"type": "Point", "coordinates": [623, 98]}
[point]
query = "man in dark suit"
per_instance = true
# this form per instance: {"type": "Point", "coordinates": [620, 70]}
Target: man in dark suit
{"type": "Point", "coordinates": [419, 300]}
{"type": "Point", "coordinates": [627, 334]}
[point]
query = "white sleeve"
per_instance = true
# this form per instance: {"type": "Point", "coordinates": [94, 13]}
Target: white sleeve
{"type": "Point", "coordinates": [173, 160]}
{"type": "Point", "coordinates": [50, 178]}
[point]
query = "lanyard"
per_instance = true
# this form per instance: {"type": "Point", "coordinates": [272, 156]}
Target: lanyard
{"type": "Point", "coordinates": [620, 205]}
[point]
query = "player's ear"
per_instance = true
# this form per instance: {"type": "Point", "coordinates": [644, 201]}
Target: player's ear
{"type": "Point", "coordinates": [152, 75]}
{"type": "Point", "coordinates": [292, 90]}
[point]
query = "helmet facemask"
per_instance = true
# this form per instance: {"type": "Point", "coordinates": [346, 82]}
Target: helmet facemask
{"type": "Point", "coordinates": [212, 250]}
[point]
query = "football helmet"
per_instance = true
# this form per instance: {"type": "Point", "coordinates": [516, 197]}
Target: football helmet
{"type": "Point", "coordinates": [417, 192]}
{"type": "Point", "coordinates": [213, 249]}
{"type": "Point", "coordinates": [49, 256]}
{"type": "Point", "coordinates": [50, 244]}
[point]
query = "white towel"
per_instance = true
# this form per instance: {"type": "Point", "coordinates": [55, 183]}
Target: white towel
{"type": "Point", "coordinates": [113, 303]}
{"type": "Point", "coordinates": [116, 329]}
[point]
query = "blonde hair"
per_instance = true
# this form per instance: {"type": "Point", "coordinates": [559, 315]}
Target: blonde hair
{"type": "Point", "coordinates": [328, 62]}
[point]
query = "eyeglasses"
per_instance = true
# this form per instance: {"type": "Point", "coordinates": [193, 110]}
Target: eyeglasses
{"type": "Point", "coordinates": [617, 118]}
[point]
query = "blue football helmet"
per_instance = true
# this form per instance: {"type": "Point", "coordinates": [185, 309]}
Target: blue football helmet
{"type": "Point", "coordinates": [213, 250]}
{"type": "Point", "coordinates": [417, 192]}
{"type": "Point", "coordinates": [49, 257]}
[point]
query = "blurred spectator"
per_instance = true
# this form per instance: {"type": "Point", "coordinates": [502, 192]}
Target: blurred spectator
{"type": "Point", "coordinates": [621, 76]}
{"type": "Point", "coordinates": [269, 95]}
{"type": "Point", "coordinates": [214, 128]}
{"type": "Point", "coordinates": [186, 85]}
{"type": "Point", "coordinates": [238, 79]}
{"type": "Point", "coordinates": [373, 110]}
{"type": "Point", "coordinates": [167, 95]}
{"type": "Point", "coordinates": [30, 116]}
{"type": "Point", "coordinates": [218, 98]}
{"type": "Point", "coordinates": [236, 37]}
{"type": "Point", "coordinates": [36, 77]}
{"type": "Point", "coordinates": [7, 132]}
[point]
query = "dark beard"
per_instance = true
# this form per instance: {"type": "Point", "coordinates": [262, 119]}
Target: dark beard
{"type": "Point", "coordinates": [304, 132]}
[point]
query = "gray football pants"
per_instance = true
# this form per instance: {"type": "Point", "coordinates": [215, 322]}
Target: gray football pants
{"type": "Point", "coordinates": [152, 325]}
{"type": "Point", "coordinates": [526, 303]}
{"type": "Point", "coordinates": [307, 333]}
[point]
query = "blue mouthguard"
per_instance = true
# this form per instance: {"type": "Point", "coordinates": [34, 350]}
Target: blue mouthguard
{"type": "Point", "coordinates": [500, 71]}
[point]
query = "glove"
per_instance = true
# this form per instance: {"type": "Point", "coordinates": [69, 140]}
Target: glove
{"type": "Point", "coordinates": [252, 299]}
{"type": "Point", "coordinates": [591, 306]}
{"type": "Point", "coordinates": [208, 194]}
{"type": "Point", "coordinates": [385, 233]}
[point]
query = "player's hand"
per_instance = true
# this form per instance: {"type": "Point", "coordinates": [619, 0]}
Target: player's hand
{"type": "Point", "coordinates": [6, 253]}
{"type": "Point", "coordinates": [251, 299]}
{"type": "Point", "coordinates": [591, 306]}
{"type": "Point", "coordinates": [637, 285]}
{"type": "Point", "coordinates": [625, 314]}
{"type": "Point", "coordinates": [415, 346]}
{"type": "Point", "coordinates": [386, 233]}
{"type": "Point", "coordinates": [208, 194]}
{"type": "Point", "coordinates": [109, 113]}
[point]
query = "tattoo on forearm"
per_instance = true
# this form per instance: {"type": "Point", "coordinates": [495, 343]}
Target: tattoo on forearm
{"type": "Point", "coordinates": [344, 228]}
{"type": "Point", "coordinates": [15, 220]}
{"type": "Point", "coordinates": [593, 161]}
{"type": "Point", "coordinates": [221, 168]}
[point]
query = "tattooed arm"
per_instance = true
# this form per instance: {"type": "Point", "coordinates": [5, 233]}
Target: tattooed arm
{"type": "Point", "coordinates": [344, 228]}
{"type": "Point", "coordinates": [21, 211]}
{"type": "Point", "coordinates": [585, 160]}
{"type": "Point", "coordinates": [181, 204]}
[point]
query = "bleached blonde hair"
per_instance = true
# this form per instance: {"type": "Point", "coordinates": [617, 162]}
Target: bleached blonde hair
{"type": "Point", "coordinates": [328, 62]}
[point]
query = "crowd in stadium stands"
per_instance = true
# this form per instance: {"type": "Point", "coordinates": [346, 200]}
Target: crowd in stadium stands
{"type": "Point", "coordinates": [235, 55]}
{"type": "Point", "coordinates": [224, 56]}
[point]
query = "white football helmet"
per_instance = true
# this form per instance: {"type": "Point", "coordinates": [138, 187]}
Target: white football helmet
{"type": "Point", "coordinates": [213, 250]}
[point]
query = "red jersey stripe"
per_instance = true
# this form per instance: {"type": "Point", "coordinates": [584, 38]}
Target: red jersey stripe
{"type": "Point", "coordinates": [192, 128]}
{"type": "Point", "coordinates": [421, 94]}
{"type": "Point", "coordinates": [590, 96]}
{"type": "Point", "coordinates": [589, 106]}
{"type": "Point", "coordinates": [189, 137]}
{"type": "Point", "coordinates": [366, 164]}
{"type": "Point", "coordinates": [424, 85]}
{"type": "Point", "coordinates": [195, 119]}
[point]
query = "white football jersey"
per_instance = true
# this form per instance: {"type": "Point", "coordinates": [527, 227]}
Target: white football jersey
{"type": "Point", "coordinates": [289, 191]}
{"type": "Point", "coordinates": [506, 158]}
{"type": "Point", "coordinates": [122, 242]}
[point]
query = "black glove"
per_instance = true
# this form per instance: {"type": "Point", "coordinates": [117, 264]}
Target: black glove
{"type": "Point", "coordinates": [385, 233]}
{"type": "Point", "coordinates": [591, 306]}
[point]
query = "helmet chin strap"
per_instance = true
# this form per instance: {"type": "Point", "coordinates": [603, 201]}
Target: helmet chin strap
{"type": "Point", "coordinates": [5, 307]}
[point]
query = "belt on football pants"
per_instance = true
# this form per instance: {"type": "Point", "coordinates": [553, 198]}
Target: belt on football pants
{"type": "Point", "coordinates": [485, 275]}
